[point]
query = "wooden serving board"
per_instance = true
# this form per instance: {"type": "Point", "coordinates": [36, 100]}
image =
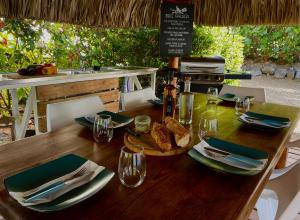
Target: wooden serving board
{"type": "Point", "coordinates": [18, 76]}
{"type": "Point", "coordinates": [150, 147]}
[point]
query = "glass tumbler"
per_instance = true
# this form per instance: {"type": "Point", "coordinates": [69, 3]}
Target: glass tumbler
{"type": "Point", "coordinates": [212, 95]}
{"type": "Point", "coordinates": [242, 105]}
{"type": "Point", "coordinates": [142, 123]}
{"type": "Point", "coordinates": [132, 167]}
{"type": "Point", "coordinates": [186, 105]}
{"type": "Point", "coordinates": [103, 128]}
{"type": "Point", "coordinates": [208, 126]}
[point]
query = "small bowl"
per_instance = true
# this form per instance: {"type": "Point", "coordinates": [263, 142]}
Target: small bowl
{"type": "Point", "coordinates": [142, 123]}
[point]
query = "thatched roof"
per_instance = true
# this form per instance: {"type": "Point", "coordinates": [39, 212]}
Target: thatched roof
{"type": "Point", "coordinates": [136, 13]}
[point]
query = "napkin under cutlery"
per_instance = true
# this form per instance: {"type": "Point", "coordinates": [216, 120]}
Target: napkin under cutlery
{"type": "Point", "coordinates": [235, 160]}
{"type": "Point", "coordinates": [263, 122]}
{"type": "Point", "coordinates": [51, 190]}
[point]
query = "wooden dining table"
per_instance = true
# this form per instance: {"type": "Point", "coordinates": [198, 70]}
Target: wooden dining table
{"type": "Point", "coordinates": [175, 187]}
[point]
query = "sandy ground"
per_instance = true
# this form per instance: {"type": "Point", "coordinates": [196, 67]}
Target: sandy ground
{"type": "Point", "coordinates": [281, 91]}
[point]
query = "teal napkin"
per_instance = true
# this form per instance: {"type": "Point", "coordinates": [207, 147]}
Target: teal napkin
{"type": "Point", "coordinates": [118, 120]}
{"type": "Point", "coordinates": [37, 176]}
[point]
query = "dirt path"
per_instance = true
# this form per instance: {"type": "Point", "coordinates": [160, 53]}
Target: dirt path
{"type": "Point", "coordinates": [281, 91]}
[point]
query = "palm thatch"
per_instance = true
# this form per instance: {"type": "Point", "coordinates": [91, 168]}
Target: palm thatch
{"type": "Point", "coordinates": [137, 13]}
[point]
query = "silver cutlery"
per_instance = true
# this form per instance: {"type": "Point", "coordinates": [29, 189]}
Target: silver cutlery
{"type": "Point", "coordinates": [236, 157]}
{"type": "Point", "coordinates": [266, 121]}
{"type": "Point", "coordinates": [59, 185]}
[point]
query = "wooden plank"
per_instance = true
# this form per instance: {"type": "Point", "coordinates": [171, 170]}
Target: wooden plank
{"type": "Point", "coordinates": [48, 92]}
{"type": "Point", "coordinates": [112, 106]}
{"type": "Point", "coordinates": [42, 124]}
{"type": "Point", "coordinates": [18, 76]}
{"type": "Point", "coordinates": [106, 97]}
{"type": "Point", "coordinates": [109, 96]}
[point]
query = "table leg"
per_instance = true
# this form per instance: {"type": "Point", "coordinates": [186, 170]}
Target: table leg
{"type": "Point", "coordinates": [137, 83]}
{"type": "Point", "coordinates": [26, 115]}
{"type": "Point", "coordinates": [22, 123]}
{"type": "Point", "coordinates": [282, 161]}
{"type": "Point", "coordinates": [15, 111]}
{"type": "Point", "coordinates": [35, 111]}
{"type": "Point", "coordinates": [130, 84]}
{"type": "Point", "coordinates": [14, 102]}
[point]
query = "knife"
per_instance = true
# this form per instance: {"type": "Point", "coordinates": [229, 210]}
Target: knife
{"type": "Point", "coordinates": [139, 137]}
{"type": "Point", "coordinates": [237, 157]}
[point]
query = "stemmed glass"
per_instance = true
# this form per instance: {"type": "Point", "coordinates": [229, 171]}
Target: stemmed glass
{"type": "Point", "coordinates": [132, 167]}
{"type": "Point", "coordinates": [103, 128]}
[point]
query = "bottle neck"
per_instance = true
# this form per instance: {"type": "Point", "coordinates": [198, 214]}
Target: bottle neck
{"type": "Point", "coordinates": [187, 86]}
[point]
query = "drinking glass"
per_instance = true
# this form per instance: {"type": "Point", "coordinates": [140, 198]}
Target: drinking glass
{"type": "Point", "coordinates": [142, 123]}
{"type": "Point", "coordinates": [103, 128]}
{"type": "Point", "coordinates": [242, 105]}
{"type": "Point", "coordinates": [186, 108]}
{"type": "Point", "coordinates": [208, 126]}
{"type": "Point", "coordinates": [212, 95]}
{"type": "Point", "coordinates": [132, 167]}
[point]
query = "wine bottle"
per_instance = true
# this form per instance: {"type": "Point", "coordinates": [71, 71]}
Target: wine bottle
{"type": "Point", "coordinates": [169, 100]}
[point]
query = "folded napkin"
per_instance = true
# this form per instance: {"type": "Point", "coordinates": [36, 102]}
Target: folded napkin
{"type": "Point", "coordinates": [117, 119]}
{"type": "Point", "coordinates": [51, 190]}
{"type": "Point", "coordinates": [233, 160]}
{"type": "Point", "coordinates": [264, 120]}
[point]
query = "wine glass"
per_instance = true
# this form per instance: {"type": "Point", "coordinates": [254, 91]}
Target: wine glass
{"type": "Point", "coordinates": [103, 128]}
{"type": "Point", "coordinates": [212, 95]}
{"type": "Point", "coordinates": [208, 127]}
{"type": "Point", "coordinates": [132, 167]}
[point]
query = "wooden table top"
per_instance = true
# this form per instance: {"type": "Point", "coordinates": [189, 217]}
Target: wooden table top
{"type": "Point", "coordinates": [176, 187]}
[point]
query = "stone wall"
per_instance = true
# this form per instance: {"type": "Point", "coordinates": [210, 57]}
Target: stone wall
{"type": "Point", "coordinates": [276, 70]}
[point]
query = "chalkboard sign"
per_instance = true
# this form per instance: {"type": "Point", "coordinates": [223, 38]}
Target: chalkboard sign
{"type": "Point", "coordinates": [176, 28]}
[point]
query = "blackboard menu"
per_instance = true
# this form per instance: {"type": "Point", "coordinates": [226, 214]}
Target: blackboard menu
{"type": "Point", "coordinates": [176, 29]}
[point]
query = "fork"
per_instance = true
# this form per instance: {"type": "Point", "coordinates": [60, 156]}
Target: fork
{"type": "Point", "coordinates": [57, 186]}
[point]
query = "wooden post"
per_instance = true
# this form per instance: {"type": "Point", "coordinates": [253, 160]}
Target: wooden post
{"type": "Point", "coordinates": [282, 160]}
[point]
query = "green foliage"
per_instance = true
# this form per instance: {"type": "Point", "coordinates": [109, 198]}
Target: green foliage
{"type": "Point", "coordinates": [5, 103]}
{"type": "Point", "coordinates": [228, 44]}
{"type": "Point", "coordinates": [220, 41]}
{"type": "Point", "coordinates": [280, 44]}
{"type": "Point", "coordinates": [69, 46]}
{"type": "Point", "coordinates": [202, 41]}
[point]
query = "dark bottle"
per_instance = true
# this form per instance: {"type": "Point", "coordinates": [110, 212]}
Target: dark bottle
{"type": "Point", "coordinates": [169, 100]}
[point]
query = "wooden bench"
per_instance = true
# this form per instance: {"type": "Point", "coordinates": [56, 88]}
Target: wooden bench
{"type": "Point", "coordinates": [106, 89]}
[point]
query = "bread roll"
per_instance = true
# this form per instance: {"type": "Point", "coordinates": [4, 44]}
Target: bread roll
{"type": "Point", "coordinates": [161, 136]}
{"type": "Point", "coordinates": [181, 134]}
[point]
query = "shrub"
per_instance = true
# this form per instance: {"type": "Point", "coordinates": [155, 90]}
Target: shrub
{"type": "Point", "coordinates": [280, 44]}
{"type": "Point", "coordinates": [69, 46]}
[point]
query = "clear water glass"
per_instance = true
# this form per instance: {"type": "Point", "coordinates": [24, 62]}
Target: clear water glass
{"type": "Point", "coordinates": [212, 95]}
{"type": "Point", "coordinates": [186, 105]}
{"type": "Point", "coordinates": [242, 105]}
{"type": "Point", "coordinates": [103, 128]}
{"type": "Point", "coordinates": [208, 126]}
{"type": "Point", "coordinates": [132, 167]}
